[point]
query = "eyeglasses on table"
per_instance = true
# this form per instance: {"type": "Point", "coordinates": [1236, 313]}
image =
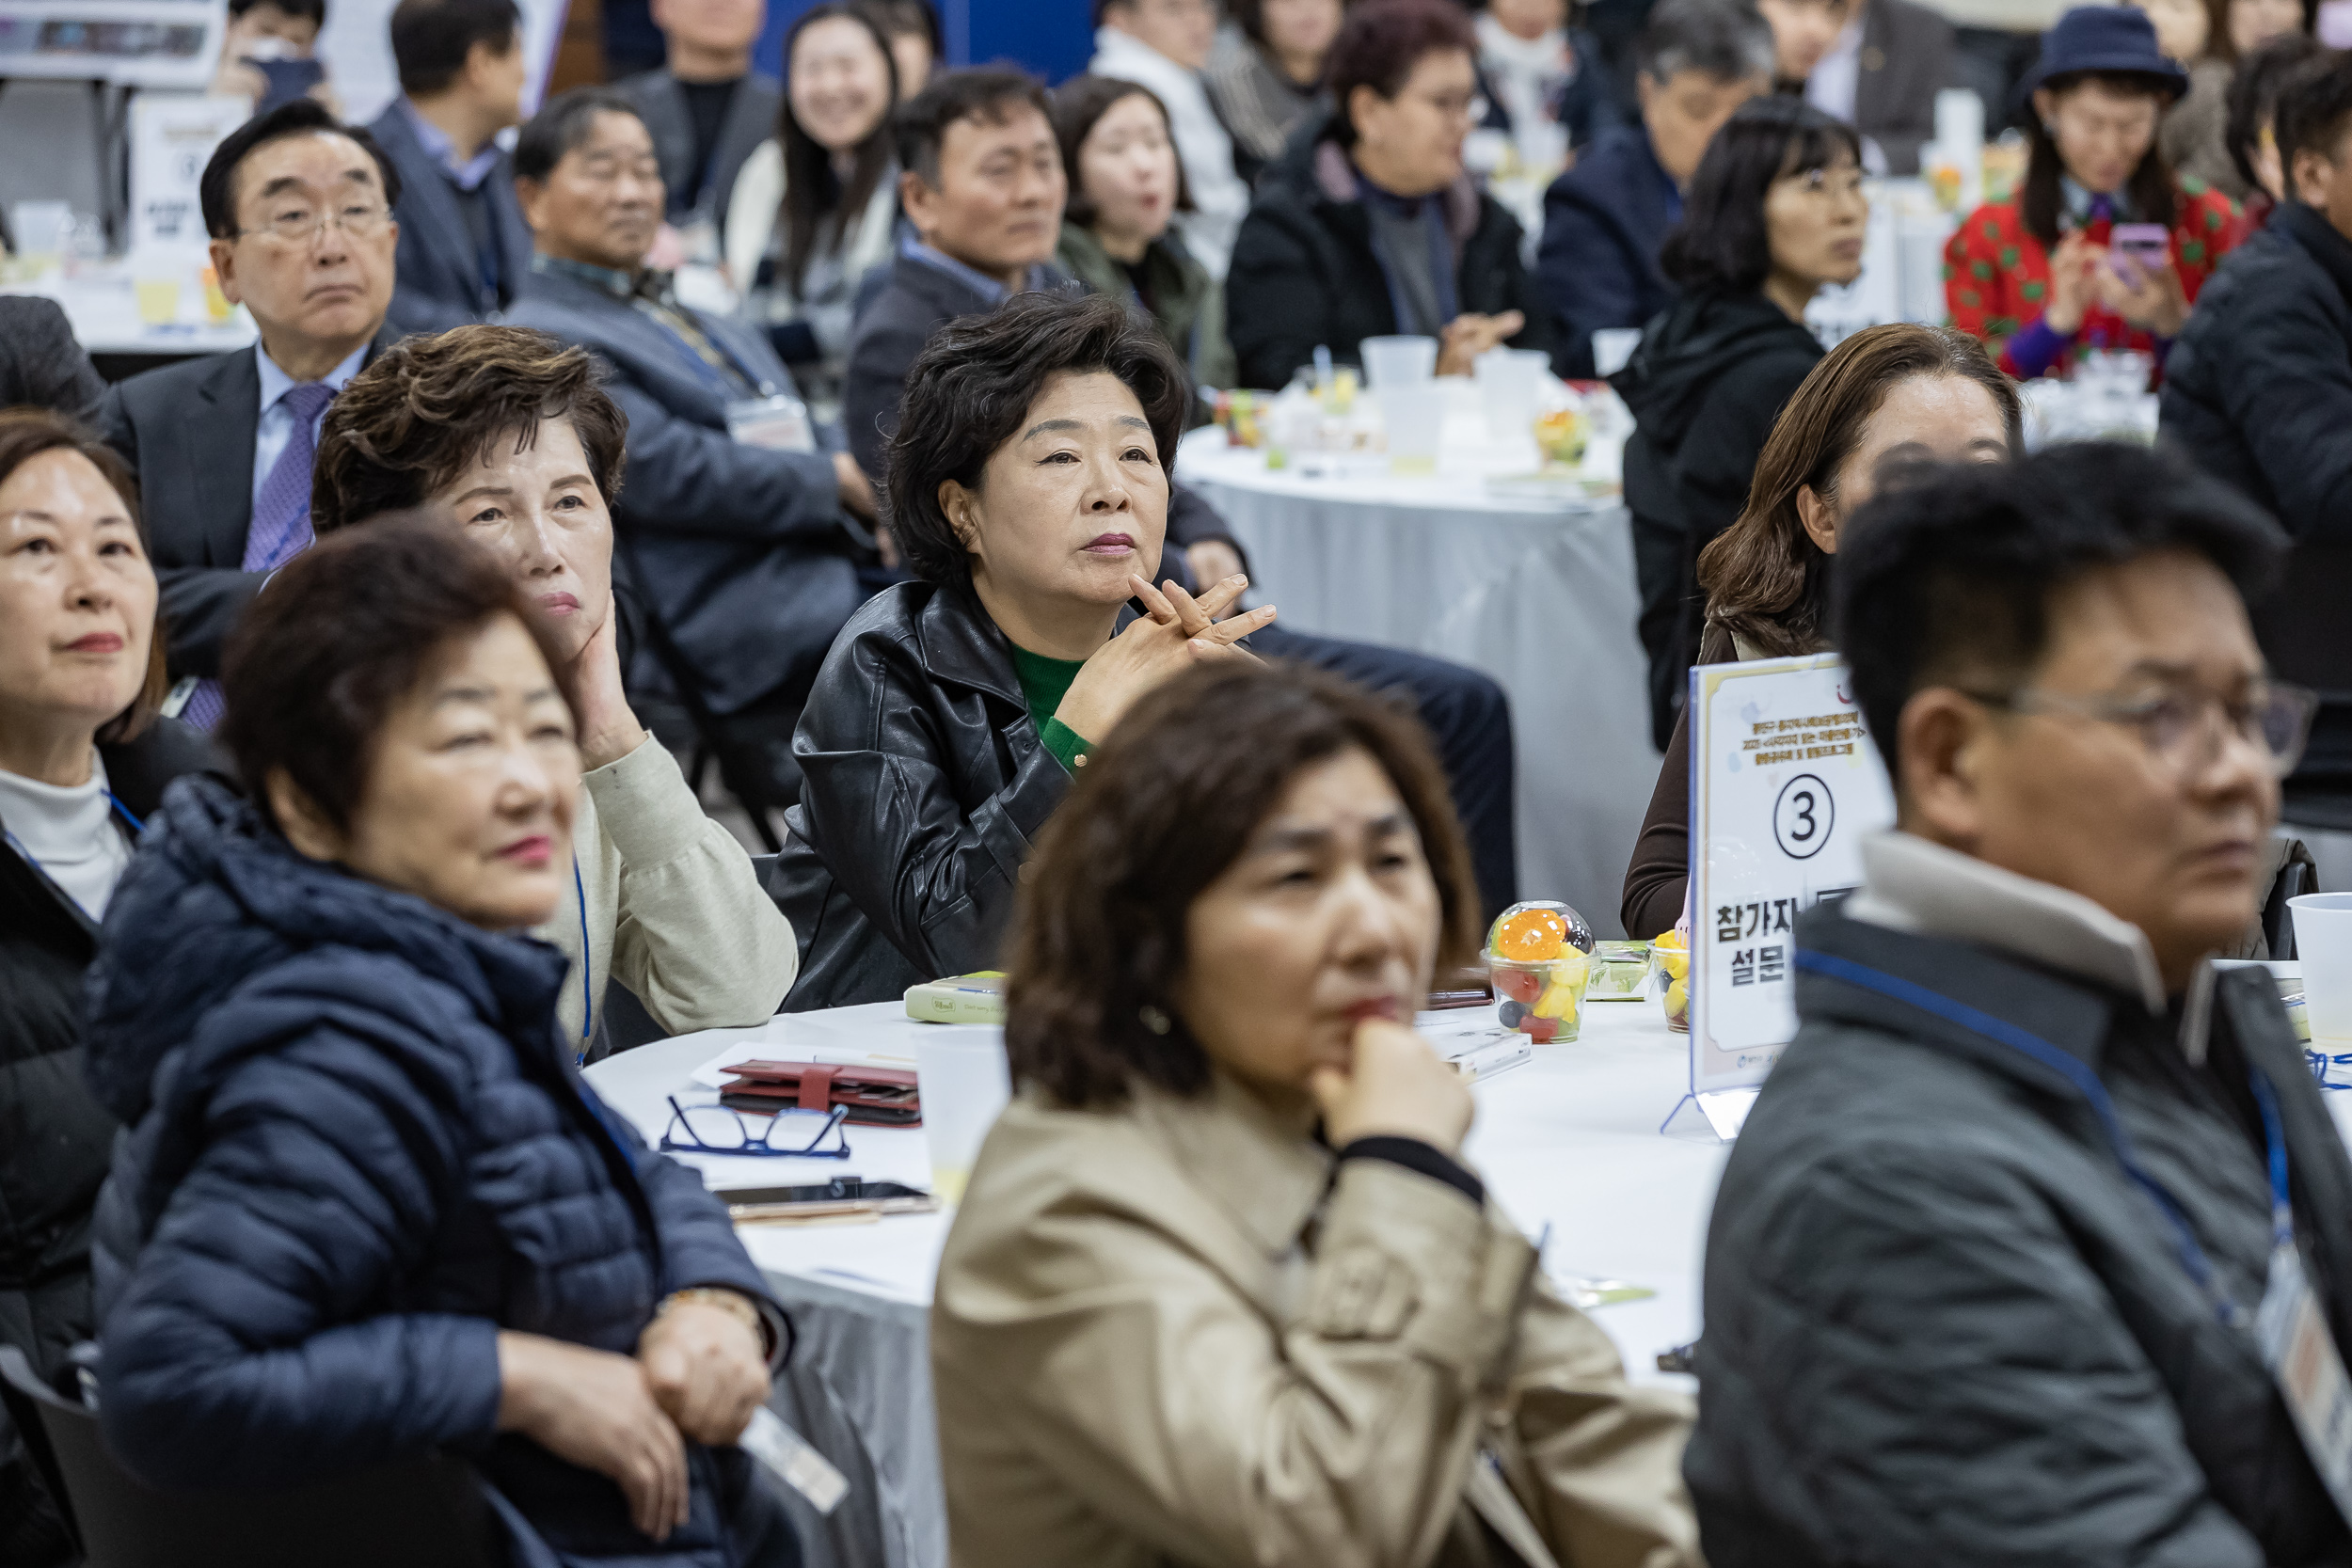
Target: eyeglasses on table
{"type": "Point", "coordinates": [722, 1130]}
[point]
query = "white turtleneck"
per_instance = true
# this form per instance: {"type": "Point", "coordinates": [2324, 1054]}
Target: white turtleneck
{"type": "Point", "coordinates": [69, 833]}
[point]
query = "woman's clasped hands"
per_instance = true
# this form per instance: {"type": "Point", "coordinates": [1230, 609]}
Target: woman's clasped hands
{"type": "Point", "coordinates": [699, 1374]}
{"type": "Point", "coordinates": [1176, 632]}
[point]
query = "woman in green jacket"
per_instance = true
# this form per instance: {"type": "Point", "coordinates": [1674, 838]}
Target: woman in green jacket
{"type": "Point", "coordinates": [1125, 185]}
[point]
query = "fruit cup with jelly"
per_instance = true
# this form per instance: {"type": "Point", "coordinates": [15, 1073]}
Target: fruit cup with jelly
{"type": "Point", "coordinates": [1539, 956]}
{"type": "Point", "coordinates": [1672, 953]}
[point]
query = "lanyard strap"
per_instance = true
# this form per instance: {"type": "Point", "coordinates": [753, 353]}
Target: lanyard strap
{"type": "Point", "coordinates": [587, 966]}
{"type": "Point", "coordinates": [32, 859]}
{"type": "Point", "coordinates": [2086, 1084]}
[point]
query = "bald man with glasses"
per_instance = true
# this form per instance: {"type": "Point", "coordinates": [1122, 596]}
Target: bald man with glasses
{"type": "Point", "coordinates": [299, 207]}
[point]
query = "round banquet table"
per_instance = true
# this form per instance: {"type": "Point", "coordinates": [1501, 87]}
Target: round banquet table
{"type": "Point", "coordinates": [1568, 1141]}
{"type": "Point", "coordinates": [1537, 591]}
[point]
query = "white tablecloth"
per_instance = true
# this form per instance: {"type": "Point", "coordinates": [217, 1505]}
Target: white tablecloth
{"type": "Point", "coordinates": [102, 305]}
{"type": "Point", "coordinates": [1570, 1141]}
{"type": "Point", "coordinates": [1537, 592]}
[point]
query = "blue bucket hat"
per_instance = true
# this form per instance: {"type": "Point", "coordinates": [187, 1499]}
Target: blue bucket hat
{"type": "Point", "coordinates": [2109, 41]}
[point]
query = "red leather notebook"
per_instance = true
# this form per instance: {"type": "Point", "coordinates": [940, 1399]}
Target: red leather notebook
{"type": "Point", "coordinates": [876, 1096]}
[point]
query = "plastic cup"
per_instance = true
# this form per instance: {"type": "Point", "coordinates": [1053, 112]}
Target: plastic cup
{"type": "Point", "coordinates": [1415, 419]}
{"type": "Point", "coordinates": [1612, 347]}
{"type": "Point", "coordinates": [1510, 389]}
{"type": "Point", "coordinates": [2323, 941]}
{"type": "Point", "coordinates": [1543, 999]}
{"type": "Point", "coordinates": [159, 300]}
{"type": "Point", "coordinates": [964, 1083]}
{"type": "Point", "coordinates": [1398, 361]}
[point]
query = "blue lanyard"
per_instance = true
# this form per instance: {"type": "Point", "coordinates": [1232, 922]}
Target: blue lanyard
{"type": "Point", "coordinates": [2085, 1083]}
{"type": "Point", "coordinates": [587, 966]}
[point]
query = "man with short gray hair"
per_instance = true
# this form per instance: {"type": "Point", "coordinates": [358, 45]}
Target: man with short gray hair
{"type": "Point", "coordinates": [1606, 217]}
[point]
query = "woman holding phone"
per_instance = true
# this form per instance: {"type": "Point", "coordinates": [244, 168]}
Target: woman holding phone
{"type": "Point", "coordinates": [2103, 248]}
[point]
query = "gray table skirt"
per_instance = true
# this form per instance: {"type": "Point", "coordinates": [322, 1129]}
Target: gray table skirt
{"type": "Point", "coordinates": [859, 1388]}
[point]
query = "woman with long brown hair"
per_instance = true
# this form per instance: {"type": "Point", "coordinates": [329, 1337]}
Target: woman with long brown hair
{"type": "Point", "coordinates": [813, 209]}
{"type": "Point", "coordinates": [1883, 399]}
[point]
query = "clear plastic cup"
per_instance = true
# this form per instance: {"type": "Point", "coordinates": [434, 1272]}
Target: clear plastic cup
{"type": "Point", "coordinates": [1414, 417]}
{"type": "Point", "coordinates": [1510, 388]}
{"type": "Point", "coordinates": [1544, 998]}
{"type": "Point", "coordinates": [964, 1083]}
{"type": "Point", "coordinates": [1398, 361]}
{"type": "Point", "coordinates": [2323, 943]}
{"type": "Point", "coordinates": [1613, 346]}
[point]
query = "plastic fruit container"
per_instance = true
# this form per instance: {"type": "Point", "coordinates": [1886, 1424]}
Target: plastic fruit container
{"type": "Point", "coordinates": [1538, 955]}
{"type": "Point", "coordinates": [1620, 972]}
{"type": "Point", "coordinates": [1673, 962]}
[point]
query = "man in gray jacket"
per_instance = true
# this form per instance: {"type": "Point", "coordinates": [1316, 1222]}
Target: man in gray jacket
{"type": "Point", "coordinates": [743, 546]}
{"type": "Point", "coordinates": [1982, 1281]}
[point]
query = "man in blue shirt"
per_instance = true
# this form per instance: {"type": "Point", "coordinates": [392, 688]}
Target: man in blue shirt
{"type": "Point", "coordinates": [1606, 217]}
{"type": "Point", "coordinates": [464, 246]}
{"type": "Point", "coordinates": [299, 207]}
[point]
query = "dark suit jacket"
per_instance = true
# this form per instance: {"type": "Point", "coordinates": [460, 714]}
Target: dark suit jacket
{"type": "Point", "coordinates": [892, 327]}
{"type": "Point", "coordinates": [740, 549]}
{"type": "Point", "coordinates": [440, 283]}
{"type": "Point", "coordinates": [1604, 221]}
{"type": "Point", "coordinates": [751, 119]}
{"type": "Point", "coordinates": [188, 430]}
{"type": "Point", "coordinates": [40, 364]}
{"type": "Point", "coordinates": [1908, 56]}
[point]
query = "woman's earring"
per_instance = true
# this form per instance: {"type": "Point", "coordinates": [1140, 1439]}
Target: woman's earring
{"type": "Point", "coordinates": [1152, 1019]}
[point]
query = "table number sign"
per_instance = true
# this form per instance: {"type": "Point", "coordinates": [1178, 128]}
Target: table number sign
{"type": "Point", "coordinates": [1785, 786]}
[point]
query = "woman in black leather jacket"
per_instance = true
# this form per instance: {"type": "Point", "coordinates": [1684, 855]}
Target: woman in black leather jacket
{"type": "Point", "coordinates": [1027, 487]}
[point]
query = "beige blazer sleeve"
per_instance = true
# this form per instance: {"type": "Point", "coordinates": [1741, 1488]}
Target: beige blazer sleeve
{"type": "Point", "coordinates": [694, 935]}
{"type": "Point", "coordinates": [1116, 1348]}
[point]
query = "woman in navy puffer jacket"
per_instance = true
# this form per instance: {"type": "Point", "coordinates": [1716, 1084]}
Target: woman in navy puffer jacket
{"type": "Point", "coordinates": [366, 1207]}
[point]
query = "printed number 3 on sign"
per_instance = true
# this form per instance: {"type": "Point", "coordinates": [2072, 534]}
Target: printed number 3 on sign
{"type": "Point", "coordinates": [1802, 816]}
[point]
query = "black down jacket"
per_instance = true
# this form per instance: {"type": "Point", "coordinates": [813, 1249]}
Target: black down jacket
{"type": "Point", "coordinates": [2258, 386]}
{"type": "Point", "coordinates": [356, 1150]}
{"type": "Point", "coordinates": [1705, 387]}
{"type": "Point", "coordinates": [54, 1139]}
{"type": "Point", "coordinates": [1304, 272]}
{"type": "Point", "coordinates": [1943, 1325]}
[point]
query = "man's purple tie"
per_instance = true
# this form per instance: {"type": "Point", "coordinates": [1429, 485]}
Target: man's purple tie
{"type": "Point", "coordinates": [281, 528]}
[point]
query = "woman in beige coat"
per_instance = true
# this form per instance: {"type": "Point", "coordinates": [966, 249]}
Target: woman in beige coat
{"type": "Point", "coordinates": [1221, 1291]}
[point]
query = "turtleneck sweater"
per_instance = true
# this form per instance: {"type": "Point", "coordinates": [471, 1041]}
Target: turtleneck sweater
{"type": "Point", "coordinates": [69, 833]}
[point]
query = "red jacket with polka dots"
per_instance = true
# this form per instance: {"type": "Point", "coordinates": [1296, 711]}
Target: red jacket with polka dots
{"type": "Point", "coordinates": [1997, 276]}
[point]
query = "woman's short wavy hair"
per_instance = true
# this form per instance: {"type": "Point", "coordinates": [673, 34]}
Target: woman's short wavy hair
{"type": "Point", "coordinates": [971, 388]}
{"type": "Point", "coordinates": [428, 407]}
{"type": "Point", "coordinates": [1159, 813]}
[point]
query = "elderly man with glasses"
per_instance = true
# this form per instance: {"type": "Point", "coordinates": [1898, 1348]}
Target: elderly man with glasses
{"type": "Point", "coordinates": [2037, 1246]}
{"type": "Point", "coordinates": [299, 208]}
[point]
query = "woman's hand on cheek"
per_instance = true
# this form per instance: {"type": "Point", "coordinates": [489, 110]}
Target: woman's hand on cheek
{"type": "Point", "coordinates": [1397, 1086]}
{"type": "Point", "coordinates": [609, 729]}
{"type": "Point", "coordinates": [1150, 651]}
